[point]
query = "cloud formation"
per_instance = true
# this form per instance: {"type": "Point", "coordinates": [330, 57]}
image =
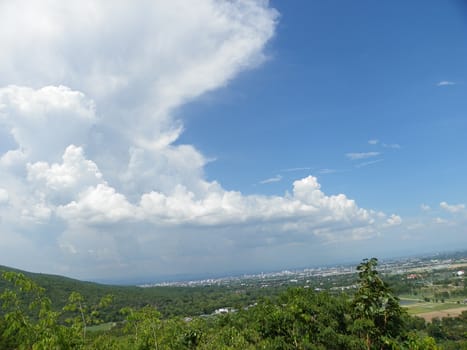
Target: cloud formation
{"type": "Point", "coordinates": [394, 220]}
{"type": "Point", "coordinates": [452, 208]}
{"type": "Point", "coordinates": [92, 180]}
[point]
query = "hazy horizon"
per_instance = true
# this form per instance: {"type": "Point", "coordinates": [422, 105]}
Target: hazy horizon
{"type": "Point", "coordinates": [187, 277]}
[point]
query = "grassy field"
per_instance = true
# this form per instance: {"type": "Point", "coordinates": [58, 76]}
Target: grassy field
{"type": "Point", "coordinates": [422, 307]}
{"type": "Point", "coordinates": [430, 310]}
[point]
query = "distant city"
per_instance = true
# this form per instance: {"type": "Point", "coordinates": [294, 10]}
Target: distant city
{"type": "Point", "coordinates": [411, 265]}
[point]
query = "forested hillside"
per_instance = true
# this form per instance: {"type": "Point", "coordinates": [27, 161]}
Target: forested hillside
{"type": "Point", "coordinates": [169, 301]}
{"type": "Point", "coordinates": [298, 318]}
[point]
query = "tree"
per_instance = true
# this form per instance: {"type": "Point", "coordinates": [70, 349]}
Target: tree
{"type": "Point", "coordinates": [378, 318]}
{"type": "Point", "coordinates": [145, 324]}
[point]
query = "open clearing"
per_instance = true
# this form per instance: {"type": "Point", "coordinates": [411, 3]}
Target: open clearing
{"type": "Point", "coordinates": [428, 311]}
{"type": "Point", "coordinates": [424, 307]}
{"type": "Point", "coordinates": [428, 316]}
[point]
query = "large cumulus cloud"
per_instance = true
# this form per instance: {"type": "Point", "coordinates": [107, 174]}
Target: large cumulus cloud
{"type": "Point", "coordinates": [91, 174]}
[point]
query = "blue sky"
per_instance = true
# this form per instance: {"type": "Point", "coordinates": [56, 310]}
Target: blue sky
{"type": "Point", "coordinates": [143, 142]}
{"type": "Point", "coordinates": [340, 74]}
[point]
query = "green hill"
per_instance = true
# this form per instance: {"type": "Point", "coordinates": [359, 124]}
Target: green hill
{"type": "Point", "coordinates": [170, 301]}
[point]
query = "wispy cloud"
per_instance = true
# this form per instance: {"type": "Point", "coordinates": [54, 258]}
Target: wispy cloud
{"type": "Point", "coordinates": [385, 145]}
{"type": "Point", "coordinates": [425, 207]}
{"type": "Point", "coordinates": [327, 171]}
{"type": "Point", "coordinates": [276, 178]}
{"type": "Point", "coordinates": [364, 164]}
{"type": "Point", "coordinates": [314, 170]}
{"type": "Point", "coordinates": [296, 169]}
{"type": "Point", "coordinates": [391, 145]}
{"type": "Point", "coordinates": [446, 83]}
{"type": "Point", "coordinates": [439, 220]}
{"type": "Point", "coordinates": [361, 155]}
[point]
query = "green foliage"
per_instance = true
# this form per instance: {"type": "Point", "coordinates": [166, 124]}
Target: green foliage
{"type": "Point", "coordinates": [23, 331]}
{"type": "Point", "coordinates": [415, 342]}
{"type": "Point", "coordinates": [144, 325]}
{"type": "Point", "coordinates": [84, 315]}
{"type": "Point", "coordinates": [450, 332]}
{"type": "Point", "coordinates": [169, 301]}
{"type": "Point", "coordinates": [378, 318]}
{"type": "Point", "coordinates": [303, 318]}
{"type": "Point", "coordinates": [29, 322]}
{"type": "Point", "coordinates": [299, 318]}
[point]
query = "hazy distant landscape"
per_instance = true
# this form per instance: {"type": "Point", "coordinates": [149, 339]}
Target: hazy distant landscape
{"type": "Point", "coordinates": [432, 290]}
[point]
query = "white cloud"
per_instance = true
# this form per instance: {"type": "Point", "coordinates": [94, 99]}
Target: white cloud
{"type": "Point", "coordinates": [446, 83]}
{"type": "Point", "coordinates": [74, 169]}
{"type": "Point", "coordinates": [163, 169]}
{"type": "Point", "coordinates": [218, 207]}
{"type": "Point", "coordinates": [12, 159]}
{"type": "Point", "coordinates": [361, 155]}
{"type": "Point", "coordinates": [394, 220]}
{"type": "Point", "coordinates": [98, 183]}
{"type": "Point", "coordinates": [452, 208]}
{"type": "Point", "coordinates": [244, 222]}
{"type": "Point", "coordinates": [373, 141]}
{"type": "Point", "coordinates": [145, 59]}
{"type": "Point", "coordinates": [276, 178]}
{"type": "Point", "coordinates": [44, 121]}
{"type": "Point", "coordinates": [99, 204]}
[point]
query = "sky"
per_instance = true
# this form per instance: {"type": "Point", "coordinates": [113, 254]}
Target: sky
{"type": "Point", "coordinates": [155, 139]}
